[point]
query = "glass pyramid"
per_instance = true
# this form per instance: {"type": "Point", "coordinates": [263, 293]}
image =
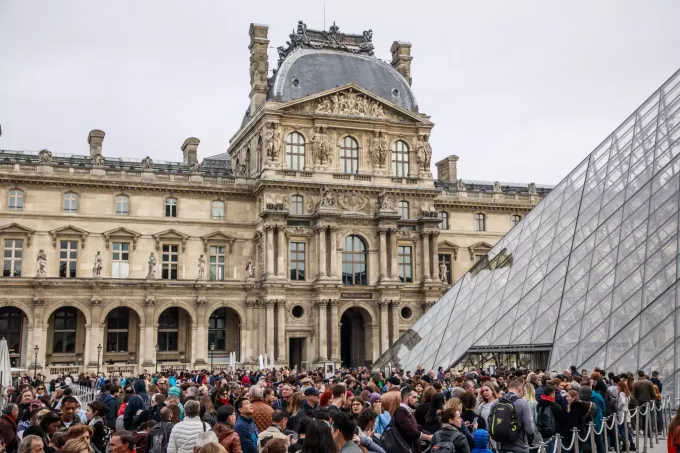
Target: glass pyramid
{"type": "Point", "coordinates": [588, 275]}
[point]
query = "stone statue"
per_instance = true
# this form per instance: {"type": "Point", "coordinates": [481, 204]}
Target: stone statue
{"type": "Point", "coordinates": [41, 270]}
{"type": "Point", "coordinates": [272, 140]}
{"type": "Point", "coordinates": [497, 187]}
{"type": "Point", "coordinates": [151, 273]}
{"type": "Point", "coordinates": [443, 271]}
{"type": "Point", "coordinates": [321, 148]}
{"type": "Point", "coordinates": [98, 160]}
{"type": "Point", "coordinates": [460, 185]}
{"type": "Point", "coordinates": [250, 270]}
{"type": "Point", "coordinates": [532, 188]}
{"type": "Point", "coordinates": [423, 152]}
{"type": "Point", "coordinates": [428, 152]}
{"type": "Point", "coordinates": [147, 163]}
{"type": "Point", "coordinates": [201, 267]}
{"type": "Point", "coordinates": [196, 167]}
{"type": "Point", "coordinates": [45, 156]}
{"type": "Point", "coordinates": [374, 150]}
{"type": "Point", "coordinates": [384, 201]}
{"type": "Point", "coordinates": [327, 198]}
{"type": "Point", "coordinates": [382, 148]}
{"type": "Point", "coordinates": [97, 265]}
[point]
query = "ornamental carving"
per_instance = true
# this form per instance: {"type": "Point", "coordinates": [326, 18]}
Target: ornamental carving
{"type": "Point", "coordinates": [45, 156]}
{"type": "Point", "coordinates": [271, 137]}
{"type": "Point", "coordinates": [354, 202]}
{"type": "Point", "coordinates": [322, 152]}
{"type": "Point", "coordinates": [378, 149]}
{"type": "Point", "coordinates": [424, 152]}
{"type": "Point", "coordinates": [347, 103]}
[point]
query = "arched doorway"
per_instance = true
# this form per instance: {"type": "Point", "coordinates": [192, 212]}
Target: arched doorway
{"type": "Point", "coordinates": [224, 331]}
{"type": "Point", "coordinates": [356, 337]}
{"type": "Point", "coordinates": [14, 328]}
{"type": "Point", "coordinates": [121, 336]}
{"type": "Point", "coordinates": [174, 336]}
{"type": "Point", "coordinates": [66, 336]}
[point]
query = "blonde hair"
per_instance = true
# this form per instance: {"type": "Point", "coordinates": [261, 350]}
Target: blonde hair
{"type": "Point", "coordinates": [455, 404]}
{"type": "Point", "coordinates": [491, 387]}
{"type": "Point", "coordinates": [78, 445]}
{"type": "Point", "coordinates": [529, 392]}
{"type": "Point", "coordinates": [295, 403]}
{"type": "Point", "coordinates": [212, 447]}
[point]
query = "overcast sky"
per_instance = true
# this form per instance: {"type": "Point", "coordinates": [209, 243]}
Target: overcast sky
{"type": "Point", "coordinates": [520, 90]}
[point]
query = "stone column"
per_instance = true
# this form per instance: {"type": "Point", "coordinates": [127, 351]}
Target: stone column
{"type": "Point", "coordinates": [425, 238]}
{"type": "Point", "coordinates": [147, 334]}
{"type": "Point", "coordinates": [269, 244]}
{"type": "Point", "coordinates": [393, 254]}
{"type": "Point", "coordinates": [200, 348]}
{"type": "Point", "coordinates": [250, 331]}
{"type": "Point", "coordinates": [384, 326]}
{"type": "Point", "coordinates": [39, 335]}
{"type": "Point", "coordinates": [94, 335]}
{"type": "Point", "coordinates": [260, 337]}
{"type": "Point", "coordinates": [395, 322]}
{"type": "Point", "coordinates": [270, 327]}
{"type": "Point", "coordinates": [321, 250]}
{"type": "Point", "coordinates": [382, 259]}
{"type": "Point", "coordinates": [322, 330]}
{"type": "Point", "coordinates": [194, 346]}
{"type": "Point", "coordinates": [281, 253]}
{"type": "Point", "coordinates": [333, 252]}
{"type": "Point", "coordinates": [335, 324]}
{"type": "Point", "coordinates": [281, 320]}
{"type": "Point", "coordinates": [435, 254]}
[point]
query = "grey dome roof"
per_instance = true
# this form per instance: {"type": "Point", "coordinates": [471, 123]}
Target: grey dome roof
{"type": "Point", "coordinates": [309, 71]}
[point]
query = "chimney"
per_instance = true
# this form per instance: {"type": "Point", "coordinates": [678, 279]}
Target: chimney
{"type": "Point", "coordinates": [95, 138]}
{"type": "Point", "coordinates": [259, 65]}
{"type": "Point", "coordinates": [447, 170]}
{"type": "Point", "coordinates": [401, 59]}
{"type": "Point", "coordinates": [189, 150]}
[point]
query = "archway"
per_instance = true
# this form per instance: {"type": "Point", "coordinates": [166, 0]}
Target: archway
{"type": "Point", "coordinates": [174, 336]}
{"type": "Point", "coordinates": [224, 332]}
{"type": "Point", "coordinates": [356, 337]}
{"type": "Point", "coordinates": [14, 328]}
{"type": "Point", "coordinates": [66, 336]}
{"type": "Point", "coordinates": [121, 336]}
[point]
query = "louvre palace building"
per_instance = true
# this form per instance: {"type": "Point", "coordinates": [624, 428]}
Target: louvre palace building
{"type": "Point", "coordinates": [320, 235]}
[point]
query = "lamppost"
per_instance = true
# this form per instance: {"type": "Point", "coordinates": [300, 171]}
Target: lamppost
{"type": "Point", "coordinates": [35, 361]}
{"type": "Point", "coordinates": [212, 356]}
{"type": "Point", "coordinates": [99, 354]}
{"type": "Point", "coordinates": [156, 358]}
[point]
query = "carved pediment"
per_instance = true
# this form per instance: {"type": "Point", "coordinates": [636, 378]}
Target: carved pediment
{"type": "Point", "coordinates": [352, 101]}
{"type": "Point", "coordinates": [449, 246]}
{"type": "Point", "coordinates": [18, 230]}
{"type": "Point", "coordinates": [69, 230]}
{"type": "Point", "coordinates": [218, 237]}
{"type": "Point", "coordinates": [121, 233]}
{"type": "Point", "coordinates": [170, 235]}
{"type": "Point", "coordinates": [479, 248]}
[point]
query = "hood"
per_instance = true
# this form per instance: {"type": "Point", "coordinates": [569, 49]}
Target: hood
{"type": "Point", "coordinates": [139, 386]}
{"type": "Point", "coordinates": [176, 391]}
{"type": "Point", "coordinates": [585, 394]}
{"type": "Point", "coordinates": [222, 431]}
{"type": "Point", "coordinates": [543, 403]}
{"type": "Point", "coordinates": [481, 439]}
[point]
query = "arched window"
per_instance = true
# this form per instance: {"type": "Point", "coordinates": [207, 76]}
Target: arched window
{"type": "Point", "coordinates": [480, 222]}
{"type": "Point", "coordinates": [400, 159]}
{"type": "Point", "coordinates": [515, 219]}
{"type": "Point", "coordinates": [117, 325]}
{"type": "Point", "coordinates": [443, 220]}
{"type": "Point", "coordinates": [295, 151]}
{"type": "Point", "coordinates": [11, 325]}
{"type": "Point", "coordinates": [70, 202]}
{"type": "Point", "coordinates": [65, 321]}
{"type": "Point", "coordinates": [122, 205]}
{"type": "Point", "coordinates": [349, 155]}
{"type": "Point", "coordinates": [171, 207]}
{"type": "Point", "coordinates": [218, 210]}
{"type": "Point", "coordinates": [168, 330]}
{"type": "Point", "coordinates": [403, 209]}
{"type": "Point", "coordinates": [16, 200]}
{"type": "Point", "coordinates": [296, 205]}
{"type": "Point", "coordinates": [354, 260]}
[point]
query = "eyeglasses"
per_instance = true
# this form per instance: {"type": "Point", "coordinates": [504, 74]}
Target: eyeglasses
{"type": "Point", "coordinates": [41, 388]}
{"type": "Point", "coordinates": [356, 404]}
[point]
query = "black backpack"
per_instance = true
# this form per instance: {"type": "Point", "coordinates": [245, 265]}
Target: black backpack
{"type": "Point", "coordinates": [393, 441]}
{"type": "Point", "coordinates": [545, 422]}
{"type": "Point", "coordinates": [610, 403]}
{"type": "Point", "coordinates": [504, 423]}
{"type": "Point", "coordinates": [443, 447]}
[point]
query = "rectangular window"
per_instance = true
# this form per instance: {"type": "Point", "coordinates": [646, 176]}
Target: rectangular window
{"type": "Point", "coordinates": [168, 340]}
{"type": "Point", "coordinates": [171, 207]}
{"type": "Point", "coordinates": [70, 202]}
{"type": "Point", "coordinates": [16, 200]}
{"type": "Point", "coordinates": [170, 261]}
{"type": "Point", "coordinates": [443, 220]}
{"type": "Point", "coordinates": [120, 262]}
{"type": "Point", "coordinates": [68, 259]}
{"type": "Point", "coordinates": [12, 257]}
{"type": "Point", "coordinates": [297, 260]}
{"type": "Point", "coordinates": [217, 257]}
{"type": "Point", "coordinates": [405, 264]}
{"type": "Point", "coordinates": [218, 210]}
{"type": "Point", "coordinates": [122, 205]}
{"type": "Point", "coordinates": [446, 259]}
{"type": "Point", "coordinates": [116, 341]}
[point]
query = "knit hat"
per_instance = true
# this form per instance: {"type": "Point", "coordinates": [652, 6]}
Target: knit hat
{"type": "Point", "coordinates": [374, 397]}
{"type": "Point", "coordinates": [175, 391]}
{"type": "Point", "coordinates": [394, 381]}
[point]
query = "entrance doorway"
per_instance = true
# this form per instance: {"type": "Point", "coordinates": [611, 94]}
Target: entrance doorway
{"type": "Point", "coordinates": [296, 352]}
{"type": "Point", "coordinates": [355, 337]}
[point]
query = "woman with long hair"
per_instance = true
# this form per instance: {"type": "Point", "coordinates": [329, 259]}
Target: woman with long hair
{"type": "Point", "coordinates": [78, 445]}
{"type": "Point", "coordinates": [623, 412]}
{"type": "Point", "coordinates": [432, 418]}
{"type": "Point", "coordinates": [673, 436]}
{"type": "Point", "coordinates": [487, 396]}
{"type": "Point", "coordinates": [294, 412]}
{"type": "Point", "coordinates": [207, 410]}
{"type": "Point", "coordinates": [96, 419]}
{"type": "Point", "coordinates": [319, 438]}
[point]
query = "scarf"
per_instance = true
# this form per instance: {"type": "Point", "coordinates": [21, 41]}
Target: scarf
{"type": "Point", "coordinates": [224, 401]}
{"type": "Point", "coordinates": [548, 398]}
{"type": "Point", "coordinates": [95, 420]}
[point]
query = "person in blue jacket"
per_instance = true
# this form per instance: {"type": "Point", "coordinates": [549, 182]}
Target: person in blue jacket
{"type": "Point", "coordinates": [245, 425]}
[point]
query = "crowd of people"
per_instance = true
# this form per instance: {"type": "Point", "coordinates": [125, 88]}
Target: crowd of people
{"type": "Point", "coordinates": [355, 410]}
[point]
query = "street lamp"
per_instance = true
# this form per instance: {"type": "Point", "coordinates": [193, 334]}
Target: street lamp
{"type": "Point", "coordinates": [99, 353]}
{"type": "Point", "coordinates": [212, 356]}
{"type": "Point", "coordinates": [156, 358]}
{"type": "Point", "coordinates": [35, 361]}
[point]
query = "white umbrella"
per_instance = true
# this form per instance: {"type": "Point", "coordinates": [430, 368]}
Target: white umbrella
{"type": "Point", "coordinates": [271, 361]}
{"type": "Point", "coordinates": [261, 362]}
{"type": "Point", "coordinates": [266, 361]}
{"type": "Point", "coordinates": [5, 365]}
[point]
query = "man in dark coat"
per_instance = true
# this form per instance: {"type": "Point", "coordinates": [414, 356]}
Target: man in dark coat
{"type": "Point", "coordinates": [406, 423]}
{"type": "Point", "coordinates": [111, 403]}
{"type": "Point", "coordinates": [135, 404]}
{"type": "Point", "coordinates": [8, 427]}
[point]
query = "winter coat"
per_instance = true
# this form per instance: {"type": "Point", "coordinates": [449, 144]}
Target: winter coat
{"type": "Point", "coordinates": [391, 400]}
{"type": "Point", "coordinates": [8, 431]}
{"type": "Point", "coordinates": [112, 405]}
{"type": "Point", "coordinates": [450, 433]}
{"type": "Point", "coordinates": [262, 414]}
{"type": "Point", "coordinates": [271, 432]}
{"type": "Point", "coordinates": [184, 433]}
{"type": "Point", "coordinates": [481, 441]}
{"type": "Point", "coordinates": [369, 444]}
{"type": "Point", "coordinates": [526, 421]}
{"type": "Point", "coordinates": [561, 419]}
{"type": "Point", "coordinates": [247, 433]}
{"type": "Point", "coordinates": [135, 404]}
{"type": "Point", "coordinates": [405, 424]}
{"type": "Point", "coordinates": [228, 438]}
{"type": "Point", "coordinates": [421, 411]}
{"type": "Point", "coordinates": [381, 423]}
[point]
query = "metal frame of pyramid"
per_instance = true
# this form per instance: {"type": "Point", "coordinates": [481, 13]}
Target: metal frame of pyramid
{"type": "Point", "coordinates": [593, 266]}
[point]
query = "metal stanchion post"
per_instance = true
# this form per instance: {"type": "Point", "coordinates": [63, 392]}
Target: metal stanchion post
{"type": "Point", "coordinates": [617, 443]}
{"type": "Point", "coordinates": [636, 429]}
{"type": "Point", "coordinates": [605, 438]}
{"type": "Point", "coordinates": [591, 431]}
{"type": "Point", "coordinates": [575, 438]}
{"type": "Point", "coordinates": [655, 425]}
{"type": "Point", "coordinates": [626, 438]}
{"type": "Point", "coordinates": [558, 444]}
{"type": "Point", "coordinates": [644, 429]}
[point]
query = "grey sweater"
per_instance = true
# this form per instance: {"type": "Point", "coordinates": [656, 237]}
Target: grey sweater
{"type": "Point", "coordinates": [526, 423]}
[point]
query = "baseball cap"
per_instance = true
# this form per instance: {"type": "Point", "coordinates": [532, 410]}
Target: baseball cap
{"type": "Point", "coordinates": [311, 391]}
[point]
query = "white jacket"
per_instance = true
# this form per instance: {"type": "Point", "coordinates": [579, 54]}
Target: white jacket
{"type": "Point", "coordinates": [183, 435]}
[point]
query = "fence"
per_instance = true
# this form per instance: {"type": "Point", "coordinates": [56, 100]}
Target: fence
{"type": "Point", "coordinates": [84, 394]}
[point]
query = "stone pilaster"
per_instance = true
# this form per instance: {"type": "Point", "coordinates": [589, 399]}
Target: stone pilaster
{"type": "Point", "coordinates": [394, 331]}
{"type": "Point", "coordinates": [281, 251]}
{"type": "Point", "coordinates": [321, 251]}
{"type": "Point", "coordinates": [393, 254]}
{"type": "Point", "coordinates": [425, 239]}
{"type": "Point", "coordinates": [269, 307]}
{"type": "Point", "coordinates": [435, 255]}
{"type": "Point", "coordinates": [382, 259]}
{"type": "Point", "coordinates": [148, 333]}
{"type": "Point", "coordinates": [94, 335]}
{"type": "Point", "coordinates": [269, 245]}
{"type": "Point", "coordinates": [281, 331]}
{"type": "Point", "coordinates": [251, 334]}
{"type": "Point", "coordinates": [333, 252]}
{"type": "Point", "coordinates": [335, 325]}
{"type": "Point", "coordinates": [384, 326]}
{"type": "Point", "coordinates": [322, 330]}
{"type": "Point", "coordinates": [201, 348]}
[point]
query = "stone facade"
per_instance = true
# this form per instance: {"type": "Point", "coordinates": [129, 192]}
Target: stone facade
{"type": "Point", "coordinates": [319, 236]}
